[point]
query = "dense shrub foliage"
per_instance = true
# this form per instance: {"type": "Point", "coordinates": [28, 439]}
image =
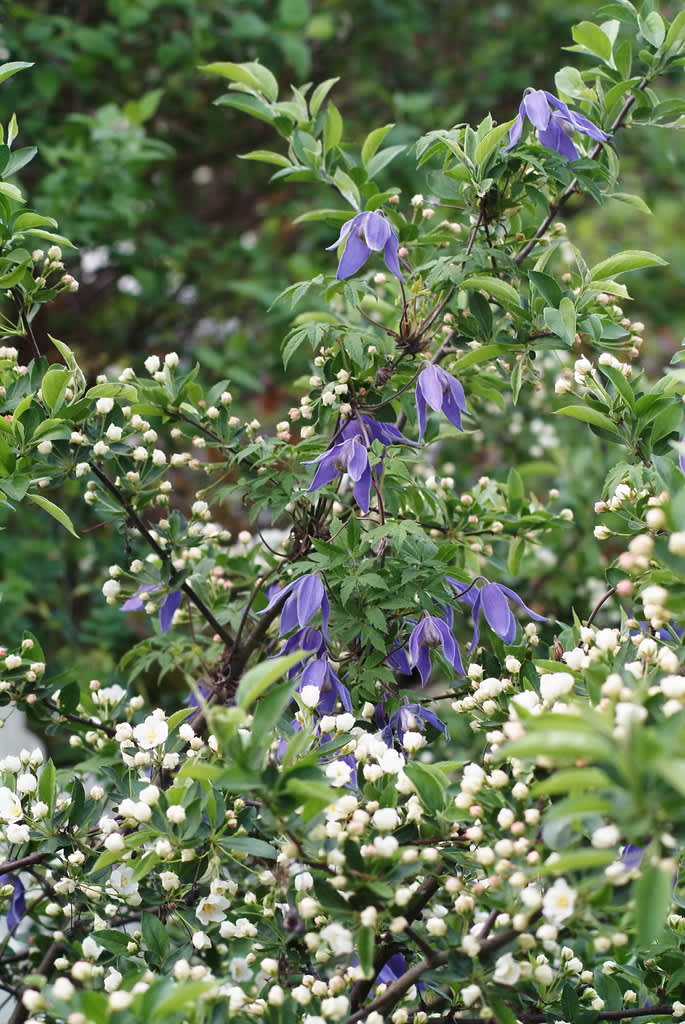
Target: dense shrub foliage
{"type": "Point", "coordinates": [400, 735]}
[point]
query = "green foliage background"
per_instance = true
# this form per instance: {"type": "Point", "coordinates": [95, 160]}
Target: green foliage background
{"type": "Point", "coordinates": [184, 247]}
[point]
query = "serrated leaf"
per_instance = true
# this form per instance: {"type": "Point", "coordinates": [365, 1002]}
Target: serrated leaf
{"type": "Point", "coordinates": [623, 262]}
{"type": "Point", "coordinates": [55, 511]}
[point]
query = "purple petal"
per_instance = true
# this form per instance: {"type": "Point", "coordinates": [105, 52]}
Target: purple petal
{"type": "Point", "coordinates": [392, 257]}
{"type": "Point", "coordinates": [420, 411]}
{"type": "Point", "coordinates": [278, 594]}
{"type": "Point", "coordinates": [516, 130]}
{"type": "Point", "coordinates": [17, 907]}
{"type": "Point", "coordinates": [356, 459]}
{"type": "Point", "coordinates": [310, 595]}
{"type": "Point", "coordinates": [386, 433]}
{"type": "Point", "coordinates": [168, 609]}
{"type": "Point", "coordinates": [134, 604]}
{"type": "Point", "coordinates": [584, 125]}
{"type": "Point", "coordinates": [327, 470]}
{"type": "Point", "coordinates": [362, 490]}
{"type": "Point", "coordinates": [556, 138]}
{"type": "Point", "coordinates": [537, 110]}
{"type": "Point", "coordinates": [344, 232]}
{"type": "Point", "coordinates": [497, 612]}
{"type": "Point", "coordinates": [375, 231]}
{"type": "Point", "coordinates": [432, 386]}
{"type": "Point", "coordinates": [355, 255]}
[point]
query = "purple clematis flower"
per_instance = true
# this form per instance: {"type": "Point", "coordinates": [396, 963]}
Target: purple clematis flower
{"type": "Point", "coordinates": [350, 455]}
{"type": "Point", "coordinates": [320, 674]}
{"type": "Point", "coordinates": [408, 718]}
{"type": "Point", "coordinates": [493, 600]}
{"type": "Point", "coordinates": [429, 634]}
{"type": "Point", "coordinates": [309, 641]}
{"type": "Point", "coordinates": [17, 907]}
{"type": "Point", "coordinates": [362, 235]}
{"type": "Point", "coordinates": [554, 123]}
{"type": "Point", "coordinates": [442, 392]}
{"type": "Point", "coordinates": [167, 608]}
{"type": "Point", "coordinates": [303, 598]}
{"type": "Point", "coordinates": [631, 856]}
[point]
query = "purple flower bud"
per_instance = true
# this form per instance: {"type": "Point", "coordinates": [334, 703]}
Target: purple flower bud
{"type": "Point", "coordinates": [429, 634]}
{"type": "Point", "coordinates": [442, 392]}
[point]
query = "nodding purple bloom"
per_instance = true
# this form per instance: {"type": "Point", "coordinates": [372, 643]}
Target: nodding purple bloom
{"type": "Point", "coordinates": [554, 123]}
{"type": "Point", "coordinates": [302, 598]}
{"type": "Point", "coordinates": [427, 635]}
{"type": "Point", "coordinates": [398, 659]}
{"type": "Point", "coordinates": [167, 608]}
{"type": "Point", "coordinates": [320, 674]}
{"type": "Point", "coordinates": [442, 392]}
{"type": "Point", "coordinates": [493, 600]}
{"type": "Point", "coordinates": [362, 235]}
{"type": "Point", "coordinates": [350, 455]}
{"type": "Point", "coordinates": [410, 718]}
{"type": "Point", "coordinates": [17, 907]}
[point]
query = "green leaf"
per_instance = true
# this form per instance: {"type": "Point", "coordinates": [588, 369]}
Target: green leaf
{"type": "Point", "coordinates": [258, 679]}
{"type": "Point", "coordinates": [479, 355]}
{"type": "Point", "coordinates": [571, 780]}
{"type": "Point", "coordinates": [667, 421]}
{"type": "Point", "coordinates": [366, 939]}
{"type": "Point", "coordinates": [382, 159]}
{"type": "Point", "coordinates": [333, 128]}
{"type": "Point", "coordinates": [11, 68]}
{"type": "Point", "coordinates": [113, 389]}
{"type": "Point", "coordinates": [653, 29]}
{"type": "Point", "coordinates": [266, 156]}
{"type": "Point", "coordinates": [248, 104]}
{"type": "Point", "coordinates": [499, 290]}
{"type": "Point", "coordinates": [622, 262]}
{"type": "Point", "coordinates": [373, 141]}
{"type": "Point", "coordinates": [515, 491]}
{"type": "Point", "coordinates": [562, 321]}
{"type": "Point", "coordinates": [591, 38]}
{"type": "Point", "coordinates": [577, 860]}
{"type": "Point", "coordinates": [336, 216]}
{"type": "Point", "coordinates": [251, 73]}
{"type": "Point", "coordinates": [319, 95]}
{"type": "Point", "coordinates": [490, 142]}
{"type": "Point", "coordinates": [47, 783]}
{"type": "Point", "coordinates": [155, 936]}
{"type": "Point", "coordinates": [11, 191]}
{"type": "Point", "coordinates": [250, 844]}
{"type": "Point", "coordinates": [429, 782]}
{"type": "Point", "coordinates": [652, 892]}
{"type": "Point", "coordinates": [675, 37]}
{"type": "Point", "coordinates": [673, 770]}
{"type": "Point", "coordinates": [54, 510]}
{"type": "Point", "coordinates": [588, 415]}
{"type": "Point", "coordinates": [54, 386]}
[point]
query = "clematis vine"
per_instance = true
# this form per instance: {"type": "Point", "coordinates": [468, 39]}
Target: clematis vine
{"type": "Point", "coordinates": [442, 392]}
{"type": "Point", "coordinates": [167, 608]}
{"type": "Point", "coordinates": [362, 235]}
{"type": "Point", "coordinates": [492, 599]}
{"type": "Point", "coordinates": [427, 635]}
{"type": "Point", "coordinates": [302, 598]}
{"type": "Point", "coordinates": [553, 122]}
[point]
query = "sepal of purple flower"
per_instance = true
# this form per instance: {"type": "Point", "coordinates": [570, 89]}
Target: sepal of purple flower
{"type": "Point", "coordinates": [167, 609]}
{"type": "Point", "coordinates": [363, 234]}
{"type": "Point", "coordinates": [17, 907]}
{"type": "Point", "coordinates": [492, 599]}
{"type": "Point", "coordinates": [302, 598]}
{"type": "Point", "coordinates": [427, 635]}
{"type": "Point", "coordinates": [442, 392]}
{"type": "Point", "coordinates": [554, 123]}
{"type": "Point", "coordinates": [309, 641]}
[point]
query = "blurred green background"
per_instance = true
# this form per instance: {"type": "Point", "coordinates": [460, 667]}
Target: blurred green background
{"type": "Point", "coordinates": [182, 246]}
